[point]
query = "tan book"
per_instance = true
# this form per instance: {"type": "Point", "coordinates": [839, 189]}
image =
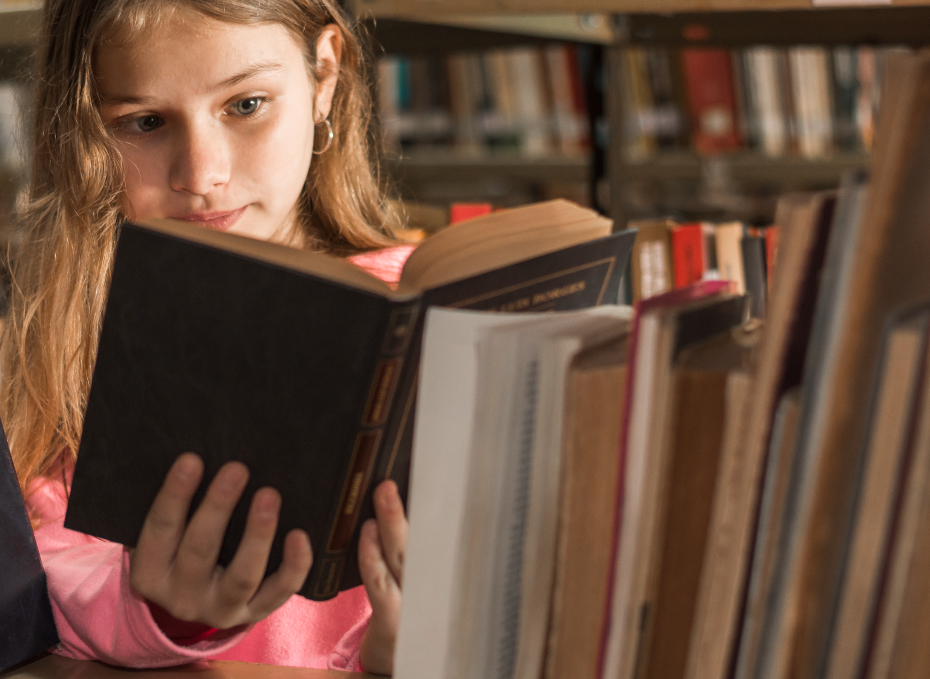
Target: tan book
{"type": "Point", "coordinates": [886, 452]}
{"type": "Point", "coordinates": [711, 380]}
{"type": "Point", "coordinates": [770, 524]}
{"type": "Point", "coordinates": [665, 325]}
{"type": "Point", "coordinates": [802, 219]}
{"type": "Point", "coordinates": [899, 646]}
{"type": "Point", "coordinates": [730, 255]}
{"type": "Point", "coordinates": [651, 262]}
{"type": "Point", "coordinates": [594, 401]}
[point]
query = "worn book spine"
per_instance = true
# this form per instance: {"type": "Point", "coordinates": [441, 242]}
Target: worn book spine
{"type": "Point", "coordinates": [330, 574]}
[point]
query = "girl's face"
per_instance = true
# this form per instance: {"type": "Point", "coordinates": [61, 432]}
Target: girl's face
{"type": "Point", "coordinates": [215, 121]}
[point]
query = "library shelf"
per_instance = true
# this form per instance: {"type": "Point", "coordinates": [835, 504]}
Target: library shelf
{"type": "Point", "coordinates": [746, 167]}
{"type": "Point", "coordinates": [460, 167]}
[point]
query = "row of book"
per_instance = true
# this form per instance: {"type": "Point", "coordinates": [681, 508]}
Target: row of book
{"type": "Point", "coordinates": [672, 491]}
{"type": "Point", "coordinates": [806, 100]}
{"type": "Point", "coordinates": [669, 255]}
{"type": "Point", "coordinates": [527, 100]}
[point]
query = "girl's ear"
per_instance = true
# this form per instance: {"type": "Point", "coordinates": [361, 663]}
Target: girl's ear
{"type": "Point", "coordinates": [328, 56]}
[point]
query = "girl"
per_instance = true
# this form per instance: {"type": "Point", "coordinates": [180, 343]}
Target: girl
{"type": "Point", "coordinates": [248, 116]}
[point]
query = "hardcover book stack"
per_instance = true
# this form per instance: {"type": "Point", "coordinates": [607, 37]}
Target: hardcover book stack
{"type": "Point", "coordinates": [681, 491]}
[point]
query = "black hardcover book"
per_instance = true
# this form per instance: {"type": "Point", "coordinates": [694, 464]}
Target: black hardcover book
{"type": "Point", "coordinates": [26, 623]}
{"type": "Point", "coordinates": [754, 273]}
{"type": "Point", "coordinates": [297, 364]}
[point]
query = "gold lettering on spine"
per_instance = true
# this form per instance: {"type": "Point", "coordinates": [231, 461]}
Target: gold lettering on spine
{"type": "Point", "coordinates": [363, 458]}
{"type": "Point", "coordinates": [354, 491]}
{"type": "Point", "coordinates": [381, 392]}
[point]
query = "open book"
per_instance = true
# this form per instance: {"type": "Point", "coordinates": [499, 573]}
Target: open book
{"type": "Point", "coordinates": [298, 364]}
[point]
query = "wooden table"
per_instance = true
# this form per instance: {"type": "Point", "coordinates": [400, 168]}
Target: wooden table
{"type": "Point", "coordinates": [56, 667]}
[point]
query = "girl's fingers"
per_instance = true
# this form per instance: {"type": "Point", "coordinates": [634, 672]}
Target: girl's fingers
{"type": "Point", "coordinates": [392, 527]}
{"type": "Point", "coordinates": [195, 563]}
{"type": "Point", "coordinates": [241, 578]}
{"type": "Point", "coordinates": [287, 580]}
{"type": "Point", "coordinates": [383, 589]}
{"type": "Point", "coordinates": [164, 524]}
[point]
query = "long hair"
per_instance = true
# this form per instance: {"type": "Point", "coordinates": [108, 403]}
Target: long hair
{"type": "Point", "coordinates": [71, 213]}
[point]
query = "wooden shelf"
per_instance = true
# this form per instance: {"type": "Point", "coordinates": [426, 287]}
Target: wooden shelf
{"type": "Point", "coordinates": [459, 167]}
{"type": "Point", "coordinates": [425, 8]}
{"type": "Point", "coordinates": [745, 168]}
{"type": "Point", "coordinates": [446, 34]}
{"type": "Point", "coordinates": [851, 26]}
{"type": "Point", "coordinates": [19, 23]}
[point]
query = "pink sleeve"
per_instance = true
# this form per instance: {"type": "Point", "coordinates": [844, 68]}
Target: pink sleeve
{"type": "Point", "coordinates": [345, 655]}
{"type": "Point", "coordinates": [385, 264]}
{"type": "Point", "coordinates": [97, 614]}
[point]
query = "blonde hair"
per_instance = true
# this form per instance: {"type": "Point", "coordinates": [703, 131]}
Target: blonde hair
{"type": "Point", "coordinates": [71, 215]}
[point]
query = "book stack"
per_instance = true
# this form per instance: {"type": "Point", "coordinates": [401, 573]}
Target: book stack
{"type": "Point", "coordinates": [676, 491]}
{"type": "Point", "coordinates": [526, 100]}
{"type": "Point", "coordinates": [807, 101]}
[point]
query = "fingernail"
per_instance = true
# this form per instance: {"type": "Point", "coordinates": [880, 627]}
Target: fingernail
{"type": "Point", "coordinates": [185, 467]}
{"type": "Point", "coordinates": [267, 503]}
{"type": "Point", "coordinates": [232, 476]}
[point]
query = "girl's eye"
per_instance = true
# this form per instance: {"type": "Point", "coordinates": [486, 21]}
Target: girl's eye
{"type": "Point", "coordinates": [248, 106]}
{"type": "Point", "coordinates": [145, 123]}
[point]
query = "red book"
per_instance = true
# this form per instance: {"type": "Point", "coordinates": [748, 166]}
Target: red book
{"type": "Point", "coordinates": [711, 99]}
{"type": "Point", "coordinates": [459, 212]}
{"type": "Point", "coordinates": [688, 257]}
{"type": "Point", "coordinates": [771, 234]}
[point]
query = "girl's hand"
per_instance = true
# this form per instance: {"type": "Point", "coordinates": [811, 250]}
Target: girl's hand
{"type": "Point", "coordinates": [381, 549]}
{"type": "Point", "coordinates": [174, 563]}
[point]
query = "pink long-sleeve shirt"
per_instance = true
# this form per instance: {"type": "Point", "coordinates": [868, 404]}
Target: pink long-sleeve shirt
{"type": "Point", "coordinates": [100, 617]}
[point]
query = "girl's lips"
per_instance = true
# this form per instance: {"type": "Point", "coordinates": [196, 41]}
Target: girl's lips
{"type": "Point", "coordinates": [219, 221]}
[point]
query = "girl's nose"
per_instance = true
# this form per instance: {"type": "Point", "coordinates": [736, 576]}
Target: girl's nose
{"type": "Point", "coordinates": [201, 161]}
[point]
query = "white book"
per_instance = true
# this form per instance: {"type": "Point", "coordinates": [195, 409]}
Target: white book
{"type": "Point", "coordinates": [767, 100]}
{"type": "Point", "coordinates": [484, 489]}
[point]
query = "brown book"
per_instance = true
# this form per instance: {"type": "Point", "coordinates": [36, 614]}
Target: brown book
{"type": "Point", "coordinates": [899, 648]}
{"type": "Point", "coordinates": [594, 401]}
{"type": "Point", "coordinates": [651, 263]}
{"type": "Point", "coordinates": [711, 380]}
{"type": "Point", "coordinates": [887, 448]}
{"type": "Point", "coordinates": [770, 524]}
{"type": "Point", "coordinates": [891, 273]}
{"type": "Point", "coordinates": [805, 221]}
{"type": "Point", "coordinates": [665, 326]}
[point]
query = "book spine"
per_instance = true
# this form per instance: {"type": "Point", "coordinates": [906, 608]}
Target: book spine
{"type": "Point", "coordinates": [711, 99]}
{"type": "Point", "coordinates": [688, 254]}
{"type": "Point", "coordinates": [330, 567]}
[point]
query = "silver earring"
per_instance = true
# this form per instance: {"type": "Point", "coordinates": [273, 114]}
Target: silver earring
{"type": "Point", "coordinates": [329, 138]}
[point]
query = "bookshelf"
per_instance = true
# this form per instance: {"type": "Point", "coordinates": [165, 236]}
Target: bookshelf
{"type": "Point", "coordinates": [744, 183]}
{"type": "Point", "coordinates": [468, 146]}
